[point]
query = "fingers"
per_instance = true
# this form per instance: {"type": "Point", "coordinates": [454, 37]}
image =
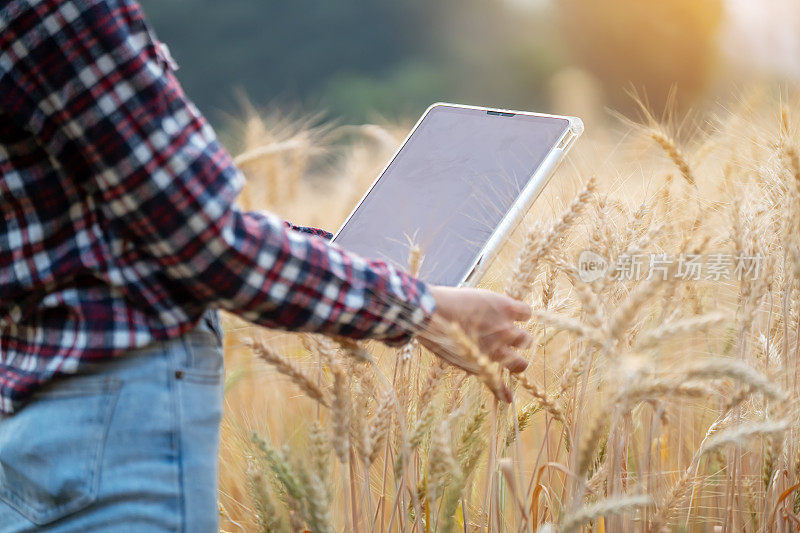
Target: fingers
{"type": "Point", "coordinates": [507, 396]}
{"type": "Point", "coordinates": [510, 359]}
{"type": "Point", "coordinates": [511, 336]}
{"type": "Point", "coordinates": [520, 339]}
{"type": "Point", "coordinates": [519, 311]}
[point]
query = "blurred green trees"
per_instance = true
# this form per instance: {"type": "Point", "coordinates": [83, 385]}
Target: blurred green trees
{"type": "Point", "coordinates": [284, 50]}
{"type": "Point", "coordinates": [353, 58]}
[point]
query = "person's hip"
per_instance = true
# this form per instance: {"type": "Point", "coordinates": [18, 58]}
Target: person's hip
{"type": "Point", "coordinates": [129, 445]}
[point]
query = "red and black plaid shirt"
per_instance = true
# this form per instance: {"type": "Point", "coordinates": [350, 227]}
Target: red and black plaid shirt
{"type": "Point", "coordinates": [117, 218]}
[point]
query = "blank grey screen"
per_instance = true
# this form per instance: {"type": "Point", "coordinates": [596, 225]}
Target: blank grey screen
{"type": "Point", "coordinates": [449, 188]}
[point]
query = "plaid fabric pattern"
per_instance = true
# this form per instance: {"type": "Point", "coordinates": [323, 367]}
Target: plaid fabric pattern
{"type": "Point", "coordinates": [117, 218]}
{"type": "Point", "coordinates": [327, 235]}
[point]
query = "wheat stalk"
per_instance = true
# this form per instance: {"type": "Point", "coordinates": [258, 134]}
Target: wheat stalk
{"type": "Point", "coordinates": [340, 415]}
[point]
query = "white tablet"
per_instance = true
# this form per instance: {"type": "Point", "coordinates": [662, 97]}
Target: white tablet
{"type": "Point", "coordinates": [461, 181]}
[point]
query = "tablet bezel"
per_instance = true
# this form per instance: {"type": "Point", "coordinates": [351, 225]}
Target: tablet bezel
{"type": "Point", "coordinates": [540, 177]}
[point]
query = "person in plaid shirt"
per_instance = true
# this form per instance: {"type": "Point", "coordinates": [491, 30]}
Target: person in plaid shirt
{"type": "Point", "coordinates": [119, 239]}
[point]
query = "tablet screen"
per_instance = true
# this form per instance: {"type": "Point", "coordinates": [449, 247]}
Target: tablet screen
{"type": "Point", "coordinates": [449, 188]}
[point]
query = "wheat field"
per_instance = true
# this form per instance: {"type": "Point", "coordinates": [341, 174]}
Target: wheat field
{"type": "Point", "coordinates": [662, 396]}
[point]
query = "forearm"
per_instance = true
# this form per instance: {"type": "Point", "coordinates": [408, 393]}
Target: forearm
{"type": "Point", "coordinates": [277, 277]}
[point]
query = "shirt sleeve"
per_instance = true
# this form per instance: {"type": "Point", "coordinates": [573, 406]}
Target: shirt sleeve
{"type": "Point", "coordinates": [91, 83]}
{"type": "Point", "coordinates": [327, 235]}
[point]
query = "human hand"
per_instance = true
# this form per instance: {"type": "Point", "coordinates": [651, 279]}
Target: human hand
{"type": "Point", "coordinates": [487, 317]}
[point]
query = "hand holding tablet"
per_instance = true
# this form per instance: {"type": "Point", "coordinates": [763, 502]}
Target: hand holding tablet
{"type": "Point", "coordinates": [460, 183]}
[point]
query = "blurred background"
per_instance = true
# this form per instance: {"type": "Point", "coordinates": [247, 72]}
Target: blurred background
{"type": "Point", "coordinates": [362, 60]}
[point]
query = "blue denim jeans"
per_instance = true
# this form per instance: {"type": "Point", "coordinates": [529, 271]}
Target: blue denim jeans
{"type": "Point", "coordinates": [129, 445]}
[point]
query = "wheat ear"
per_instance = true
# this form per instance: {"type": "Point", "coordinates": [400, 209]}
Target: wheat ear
{"type": "Point", "coordinates": [538, 246]}
{"type": "Point", "coordinates": [667, 143]}
{"type": "Point", "coordinates": [678, 328]}
{"type": "Point", "coordinates": [551, 405]}
{"type": "Point", "coordinates": [290, 369]}
{"type": "Point", "coordinates": [574, 521]}
{"type": "Point", "coordinates": [737, 434]}
{"type": "Point", "coordinates": [715, 368]}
